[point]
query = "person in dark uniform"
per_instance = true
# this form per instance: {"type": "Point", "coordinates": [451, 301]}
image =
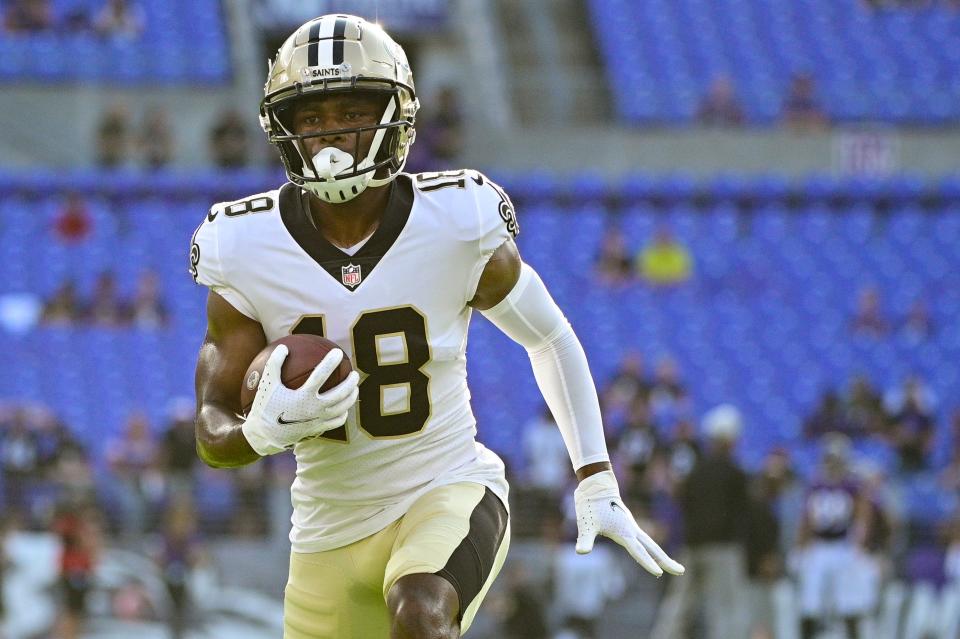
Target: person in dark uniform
{"type": "Point", "coordinates": [713, 501]}
{"type": "Point", "coordinates": [832, 536]}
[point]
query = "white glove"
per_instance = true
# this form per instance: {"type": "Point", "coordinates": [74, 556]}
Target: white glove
{"type": "Point", "coordinates": [280, 416]}
{"type": "Point", "coordinates": [600, 511]}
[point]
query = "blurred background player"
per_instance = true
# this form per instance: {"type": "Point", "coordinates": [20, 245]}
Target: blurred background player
{"type": "Point", "coordinates": [713, 500]}
{"type": "Point", "coordinates": [836, 579]}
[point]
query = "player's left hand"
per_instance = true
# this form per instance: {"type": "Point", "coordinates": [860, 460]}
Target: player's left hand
{"type": "Point", "coordinates": [601, 511]}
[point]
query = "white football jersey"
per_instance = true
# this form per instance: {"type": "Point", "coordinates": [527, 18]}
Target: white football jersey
{"type": "Point", "coordinates": [398, 308]}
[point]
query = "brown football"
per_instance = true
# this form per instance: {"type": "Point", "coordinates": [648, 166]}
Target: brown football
{"type": "Point", "coordinates": [305, 352]}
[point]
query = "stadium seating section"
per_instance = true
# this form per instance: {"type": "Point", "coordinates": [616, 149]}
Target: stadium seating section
{"type": "Point", "coordinates": [183, 42]}
{"type": "Point", "coordinates": [765, 323]}
{"type": "Point", "coordinates": [892, 65]}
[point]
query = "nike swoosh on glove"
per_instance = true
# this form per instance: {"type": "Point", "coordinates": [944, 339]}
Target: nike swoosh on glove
{"type": "Point", "coordinates": [601, 511]}
{"type": "Point", "coordinates": [281, 416]}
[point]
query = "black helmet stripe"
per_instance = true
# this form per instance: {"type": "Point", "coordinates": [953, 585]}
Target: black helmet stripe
{"type": "Point", "coordinates": [334, 37]}
{"type": "Point", "coordinates": [338, 31]}
{"type": "Point", "coordinates": [313, 49]}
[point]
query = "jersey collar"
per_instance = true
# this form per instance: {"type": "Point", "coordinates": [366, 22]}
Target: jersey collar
{"type": "Point", "coordinates": [350, 270]}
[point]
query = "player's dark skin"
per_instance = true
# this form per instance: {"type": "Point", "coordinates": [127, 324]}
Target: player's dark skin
{"type": "Point", "coordinates": [420, 605]}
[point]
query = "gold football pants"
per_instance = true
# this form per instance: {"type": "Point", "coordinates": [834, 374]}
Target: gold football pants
{"type": "Point", "coordinates": [460, 532]}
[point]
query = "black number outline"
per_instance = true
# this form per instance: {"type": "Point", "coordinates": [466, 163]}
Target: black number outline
{"type": "Point", "coordinates": [256, 204]}
{"type": "Point", "coordinates": [435, 180]}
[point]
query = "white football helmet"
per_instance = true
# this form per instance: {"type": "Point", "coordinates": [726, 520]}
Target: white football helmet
{"type": "Point", "coordinates": [337, 53]}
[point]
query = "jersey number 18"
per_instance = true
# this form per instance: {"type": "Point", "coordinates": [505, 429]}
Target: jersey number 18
{"type": "Point", "coordinates": [408, 324]}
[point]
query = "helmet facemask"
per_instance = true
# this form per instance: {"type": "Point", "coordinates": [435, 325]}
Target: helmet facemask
{"type": "Point", "coordinates": [336, 174]}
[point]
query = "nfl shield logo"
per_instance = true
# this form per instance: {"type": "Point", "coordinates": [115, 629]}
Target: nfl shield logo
{"type": "Point", "coordinates": [350, 275]}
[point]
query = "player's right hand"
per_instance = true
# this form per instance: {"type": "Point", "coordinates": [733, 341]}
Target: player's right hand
{"type": "Point", "coordinates": [281, 416]}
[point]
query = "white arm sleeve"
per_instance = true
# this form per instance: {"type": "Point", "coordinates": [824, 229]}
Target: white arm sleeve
{"type": "Point", "coordinates": [530, 317]}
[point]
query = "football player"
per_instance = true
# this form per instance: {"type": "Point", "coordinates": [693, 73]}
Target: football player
{"type": "Point", "coordinates": [400, 521]}
{"type": "Point", "coordinates": [834, 572]}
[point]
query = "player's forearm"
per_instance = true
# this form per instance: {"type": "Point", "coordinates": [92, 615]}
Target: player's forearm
{"type": "Point", "coordinates": [563, 376]}
{"type": "Point", "coordinates": [529, 316]}
{"type": "Point", "coordinates": [220, 441]}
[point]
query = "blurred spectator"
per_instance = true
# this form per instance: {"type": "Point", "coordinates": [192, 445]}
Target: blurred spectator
{"type": "Point", "coordinates": [77, 525]}
{"type": "Point", "coordinates": [683, 450]}
{"type": "Point", "coordinates": [525, 615]}
{"type": "Point", "coordinates": [778, 470]}
{"type": "Point", "coordinates": [713, 500]}
{"type": "Point", "coordinates": [147, 310]}
{"type": "Point", "coordinates": [829, 417]}
{"type": "Point", "coordinates": [74, 476]}
{"type": "Point", "coordinates": [19, 459]}
{"type": "Point", "coordinates": [763, 553]}
{"type": "Point", "coordinates": [77, 20]}
{"type": "Point", "coordinates": [25, 16]}
{"type": "Point", "coordinates": [250, 484]}
{"type": "Point", "coordinates": [156, 141]}
{"type": "Point", "coordinates": [666, 384]}
{"type": "Point", "coordinates": [439, 140]}
{"type": "Point", "coordinates": [911, 412]}
{"type": "Point", "coordinates": [180, 553]}
{"type": "Point", "coordinates": [952, 560]}
{"type": "Point", "coordinates": [913, 392]}
{"type": "Point", "coordinates": [918, 324]}
{"type": "Point", "coordinates": [105, 308]}
{"type": "Point", "coordinates": [132, 459]}
{"type": "Point", "coordinates": [178, 448]}
{"type": "Point", "coordinates": [628, 383]}
{"type": "Point", "coordinates": [63, 308]}
{"type": "Point", "coordinates": [229, 141]}
{"type": "Point", "coordinates": [869, 319]}
{"type": "Point", "coordinates": [613, 264]}
{"type": "Point", "coordinates": [665, 261]}
{"type": "Point", "coordinates": [876, 559]}
{"type": "Point", "coordinates": [119, 19]}
{"type": "Point", "coordinates": [73, 222]}
{"type": "Point", "coordinates": [548, 464]}
{"type": "Point", "coordinates": [950, 476]}
{"type": "Point", "coordinates": [864, 408]}
{"type": "Point", "coordinates": [720, 106]}
{"type": "Point", "coordinates": [113, 137]}
{"type": "Point", "coordinates": [54, 438]}
{"type": "Point", "coordinates": [801, 109]}
{"type": "Point", "coordinates": [445, 127]}
{"type": "Point", "coordinates": [636, 444]}
{"type": "Point", "coordinates": [668, 396]}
